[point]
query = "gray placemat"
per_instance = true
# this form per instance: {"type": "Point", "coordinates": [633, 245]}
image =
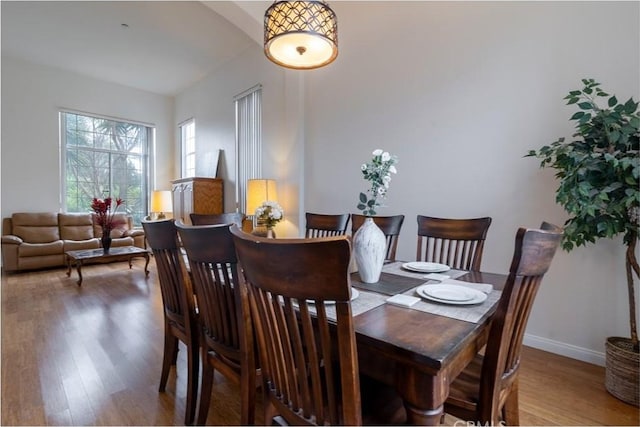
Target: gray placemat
{"type": "Point", "coordinates": [365, 302]}
{"type": "Point", "coordinates": [389, 284]}
{"type": "Point", "coordinates": [468, 313]}
{"type": "Point", "coordinates": [396, 280]}
{"type": "Point", "coordinates": [396, 268]}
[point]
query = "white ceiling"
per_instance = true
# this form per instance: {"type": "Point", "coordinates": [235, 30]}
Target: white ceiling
{"type": "Point", "coordinates": [167, 46]}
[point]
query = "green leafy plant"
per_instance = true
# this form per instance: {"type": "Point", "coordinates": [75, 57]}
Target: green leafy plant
{"type": "Point", "coordinates": [378, 173]}
{"type": "Point", "coordinates": [599, 176]}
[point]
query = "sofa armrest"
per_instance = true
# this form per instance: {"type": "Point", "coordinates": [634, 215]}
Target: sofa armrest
{"type": "Point", "coordinates": [139, 239]}
{"type": "Point", "coordinates": [133, 233]}
{"type": "Point", "coordinates": [11, 240]}
{"type": "Point", "coordinates": [10, 246]}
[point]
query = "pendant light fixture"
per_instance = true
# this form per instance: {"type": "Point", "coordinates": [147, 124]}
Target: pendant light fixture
{"type": "Point", "coordinates": [302, 35]}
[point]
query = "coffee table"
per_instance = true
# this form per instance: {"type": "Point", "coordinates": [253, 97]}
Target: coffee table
{"type": "Point", "coordinates": [122, 253]}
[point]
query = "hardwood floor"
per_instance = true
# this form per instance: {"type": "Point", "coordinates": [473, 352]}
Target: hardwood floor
{"type": "Point", "coordinates": [92, 355]}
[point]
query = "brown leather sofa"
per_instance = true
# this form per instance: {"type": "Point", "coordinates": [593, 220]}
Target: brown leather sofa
{"type": "Point", "coordinates": [39, 240]}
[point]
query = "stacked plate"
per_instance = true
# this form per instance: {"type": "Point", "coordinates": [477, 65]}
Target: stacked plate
{"type": "Point", "coordinates": [425, 267]}
{"type": "Point", "coordinates": [451, 294]}
{"type": "Point", "coordinates": [354, 294]}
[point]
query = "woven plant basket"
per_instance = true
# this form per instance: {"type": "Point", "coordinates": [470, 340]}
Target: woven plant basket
{"type": "Point", "coordinates": [623, 369]}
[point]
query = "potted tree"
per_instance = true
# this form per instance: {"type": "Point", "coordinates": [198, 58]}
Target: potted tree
{"type": "Point", "coordinates": [598, 173]}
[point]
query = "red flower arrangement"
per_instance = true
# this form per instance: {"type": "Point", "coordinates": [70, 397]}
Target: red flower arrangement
{"type": "Point", "coordinates": [104, 215]}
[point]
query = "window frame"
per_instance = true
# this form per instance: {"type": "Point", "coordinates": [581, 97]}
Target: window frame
{"type": "Point", "coordinates": [144, 159]}
{"type": "Point", "coordinates": [187, 153]}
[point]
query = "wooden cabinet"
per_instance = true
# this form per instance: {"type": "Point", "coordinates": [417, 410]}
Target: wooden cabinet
{"type": "Point", "coordinates": [197, 195]}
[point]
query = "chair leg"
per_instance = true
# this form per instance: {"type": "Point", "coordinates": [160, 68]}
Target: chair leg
{"type": "Point", "coordinates": [170, 351]}
{"type": "Point", "coordinates": [205, 389]}
{"type": "Point", "coordinates": [247, 396]}
{"type": "Point", "coordinates": [511, 410]}
{"type": "Point", "coordinates": [193, 362]}
{"type": "Point", "coordinates": [174, 357]}
{"type": "Point", "coordinates": [269, 411]}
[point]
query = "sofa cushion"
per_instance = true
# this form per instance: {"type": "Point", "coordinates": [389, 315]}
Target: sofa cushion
{"type": "Point", "coordinates": [78, 245]}
{"type": "Point", "coordinates": [75, 226]}
{"type": "Point", "coordinates": [41, 227]}
{"type": "Point", "coordinates": [121, 225]}
{"type": "Point", "coordinates": [35, 262]}
{"type": "Point", "coordinates": [122, 241]}
{"type": "Point", "coordinates": [40, 249]}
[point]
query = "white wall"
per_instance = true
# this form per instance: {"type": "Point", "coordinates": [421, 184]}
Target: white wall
{"type": "Point", "coordinates": [31, 98]}
{"type": "Point", "coordinates": [460, 92]}
{"type": "Point", "coordinates": [210, 102]}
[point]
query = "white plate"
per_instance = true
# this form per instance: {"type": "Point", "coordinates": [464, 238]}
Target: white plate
{"type": "Point", "coordinates": [478, 296]}
{"type": "Point", "coordinates": [354, 294]}
{"type": "Point", "coordinates": [449, 292]}
{"type": "Point", "coordinates": [425, 267]}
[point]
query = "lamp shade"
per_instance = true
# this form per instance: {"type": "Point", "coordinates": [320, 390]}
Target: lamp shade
{"type": "Point", "coordinates": [258, 191]}
{"type": "Point", "coordinates": [300, 34]}
{"type": "Point", "coordinates": [161, 201]}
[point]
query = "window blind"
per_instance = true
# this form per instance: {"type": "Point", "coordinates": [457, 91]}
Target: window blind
{"type": "Point", "coordinates": [248, 106]}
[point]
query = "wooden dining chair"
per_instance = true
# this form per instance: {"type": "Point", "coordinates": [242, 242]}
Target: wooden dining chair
{"type": "Point", "coordinates": [213, 219]}
{"type": "Point", "coordinates": [290, 284]}
{"type": "Point", "coordinates": [180, 321]}
{"type": "Point", "coordinates": [390, 226]}
{"type": "Point", "coordinates": [459, 243]}
{"type": "Point", "coordinates": [486, 392]}
{"type": "Point", "coordinates": [226, 340]}
{"type": "Point", "coordinates": [322, 225]}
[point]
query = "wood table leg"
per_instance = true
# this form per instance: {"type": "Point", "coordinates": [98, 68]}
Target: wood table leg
{"type": "Point", "coordinates": [68, 259]}
{"type": "Point", "coordinates": [417, 416]}
{"type": "Point", "coordinates": [146, 264]}
{"type": "Point", "coordinates": [423, 395]}
{"type": "Point", "coordinates": [79, 268]}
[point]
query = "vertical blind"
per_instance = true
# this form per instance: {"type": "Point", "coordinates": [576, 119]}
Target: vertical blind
{"type": "Point", "coordinates": [248, 142]}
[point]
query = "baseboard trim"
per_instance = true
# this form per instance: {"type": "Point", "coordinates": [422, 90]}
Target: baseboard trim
{"type": "Point", "coordinates": [564, 349]}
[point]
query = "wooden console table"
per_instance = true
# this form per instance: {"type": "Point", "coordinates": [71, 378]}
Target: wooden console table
{"type": "Point", "coordinates": [123, 253]}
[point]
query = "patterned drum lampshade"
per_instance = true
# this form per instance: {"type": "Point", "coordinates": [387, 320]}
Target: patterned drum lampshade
{"type": "Point", "coordinates": [302, 35]}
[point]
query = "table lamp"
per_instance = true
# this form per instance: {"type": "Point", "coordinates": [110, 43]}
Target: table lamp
{"type": "Point", "coordinates": [161, 203]}
{"type": "Point", "coordinates": [258, 191]}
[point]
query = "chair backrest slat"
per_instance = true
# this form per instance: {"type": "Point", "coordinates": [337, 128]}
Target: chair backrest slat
{"type": "Point", "coordinates": [303, 352]}
{"type": "Point", "coordinates": [169, 277]}
{"type": "Point", "coordinates": [458, 243]}
{"type": "Point", "coordinates": [323, 225]}
{"type": "Point", "coordinates": [177, 295]}
{"type": "Point", "coordinates": [534, 251]}
{"type": "Point", "coordinates": [180, 318]}
{"type": "Point", "coordinates": [214, 270]}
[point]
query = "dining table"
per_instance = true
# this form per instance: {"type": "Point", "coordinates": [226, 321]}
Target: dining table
{"type": "Point", "coordinates": [419, 350]}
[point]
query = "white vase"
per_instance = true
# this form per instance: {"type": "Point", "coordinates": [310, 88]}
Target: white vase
{"type": "Point", "coordinates": [369, 244]}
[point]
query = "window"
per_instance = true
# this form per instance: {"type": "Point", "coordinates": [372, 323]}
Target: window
{"type": "Point", "coordinates": [104, 157]}
{"type": "Point", "coordinates": [188, 148]}
{"type": "Point", "coordinates": [248, 142]}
